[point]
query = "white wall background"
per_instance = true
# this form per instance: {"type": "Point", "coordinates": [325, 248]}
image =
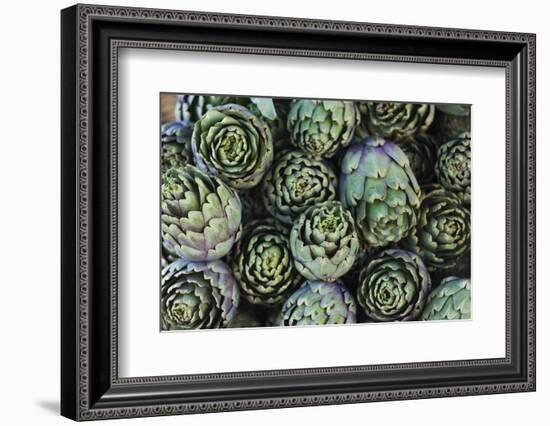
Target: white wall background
{"type": "Point", "coordinates": [29, 211]}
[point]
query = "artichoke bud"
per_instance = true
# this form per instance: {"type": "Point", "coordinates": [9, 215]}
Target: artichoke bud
{"type": "Point", "coordinates": [394, 286]}
{"type": "Point", "coordinates": [453, 166]}
{"type": "Point", "coordinates": [176, 145]}
{"type": "Point", "coordinates": [395, 120]}
{"type": "Point", "coordinates": [321, 128]}
{"type": "Point", "coordinates": [380, 190]}
{"type": "Point", "coordinates": [262, 263]}
{"type": "Point", "coordinates": [319, 303]}
{"type": "Point", "coordinates": [232, 143]}
{"type": "Point", "coordinates": [200, 215]}
{"type": "Point", "coordinates": [451, 300]}
{"type": "Point", "coordinates": [442, 233]}
{"type": "Point", "coordinates": [197, 295]}
{"type": "Point", "coordinates": [324, 242]}
{"type": "Point", "coordinates": [295, 183]}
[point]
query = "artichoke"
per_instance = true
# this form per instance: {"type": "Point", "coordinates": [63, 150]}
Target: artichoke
{"type": "Point", "coordinates": [324, 242]}
{"type": "Point", "coordinates": [296, 182]}
{"type": "Point", "coordinates": [453, 168]}
{"type": "Point", "coordinates": [190, 108]}
{"type": "Point", "coordinates": [200, 215]}
{"type": "Point", "coordinates": [232, 143]}
{"type": "Point", "coordinates": [320, 128]}
{"type": "Point", "coordinates": [318, 303]}
{"type": "Point", "coordinates": [262, 263]}
{"type": "Point", "coordinates": [450, 121]}
{"type": "Point", "coordinates": [394, 120]}
{"type": "Point", "coordinates": [421, 150]}
{"type": "Point", "coordinates": [176, 145]}
{"type": "Point", "coordinates": [379, 188]}
{"type": "Point", "coordinates": [442, 233]}
{"type": "Point", "coordinates": [450, 301]}
{"type": "Point", "coordinates": [198, 295]}
{"type": "Point", "coordinates": [394, 286]}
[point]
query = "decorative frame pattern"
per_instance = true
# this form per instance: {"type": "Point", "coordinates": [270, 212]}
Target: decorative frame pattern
{"type": "Point", "coordinates": [91, 399]}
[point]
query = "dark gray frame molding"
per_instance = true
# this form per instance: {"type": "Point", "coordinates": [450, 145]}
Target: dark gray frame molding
{"type": "Point", "coordinates": [91, 39]}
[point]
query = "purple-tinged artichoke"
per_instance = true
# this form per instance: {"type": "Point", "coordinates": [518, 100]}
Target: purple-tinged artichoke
{"type": "Point", "coordinates": [295, 183]}
{"type": "Point", "coordinates": [319, 303]}
{"type": "Point", "coordinates": [451, 300]}
{"type": "Point", "coordinates": [380, 190]}
{"type": "Point", "coordinates": [196, 295]}
{"type": "Point", "coordinates": [200, 215]}
{"type": "Point", "coordinates": [321, 128]}
{"type": "Point", "coordinates": [394, 286]}
{"type": "Point", "coordinates": [442, 233]}
{"type": "Point", "coordinates": [232, 143]}
{"type": "Point", "coordinates": [190, 108]}
{"type": "Point", "coordinates": [262, 263]}
{"type": "Point", "coordinates": [453, 166]}
{"type": "Point", "coordinates": [324, 242]}
{"type": "Point", "coordinates": [395, 120]}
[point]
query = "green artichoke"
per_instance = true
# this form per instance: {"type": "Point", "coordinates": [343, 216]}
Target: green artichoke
{"type": "Point", "coordinates": [453, 166]}
{"type": "Point", "coordinates": [320, 128]}
{"type": "Point", "coordinates": [442, 233]}
{"type": "Point", "coordinates": [319, 303]}
{"type": "Point", "coordinates": [395, 120]}
{"type": "Point", "coordinates": [450, 121]}
{"type": "Point", "coordinates": [451, 300]}
{"type": "Point", "coordinates": [379, 188]}
{"type": "Point", "coordinates": [394, 286]}
{"type": "Point", "coordinates": [262, 263]}
{"type": "Point", "coordinates": [200, 215]}
{"type": "Point", "coordinates": [232, 143]}
{"type": "Point", "coordinates": [190, 108]}
{"type": "Point", "coordinates": [176, 145]}
{"type": "Point", "coordinates": [324, 242]}
{"type": "Point", "coordinates": [295, 183]}
{"type": "Point", "coordinates": [421, 150]}
{"type": "Point", "coordinates": [198, 295]}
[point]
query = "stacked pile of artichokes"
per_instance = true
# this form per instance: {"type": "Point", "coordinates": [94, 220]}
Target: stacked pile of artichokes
{"type": "Point", "coordinates": [285, 212]}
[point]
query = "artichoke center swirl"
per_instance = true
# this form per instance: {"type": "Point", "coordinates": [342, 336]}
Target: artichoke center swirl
{"type": "Point", "coordinates": [182, 312]}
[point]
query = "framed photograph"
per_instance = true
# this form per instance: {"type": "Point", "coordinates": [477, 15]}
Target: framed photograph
{"type": "Point", "coordinates": [263, 212]}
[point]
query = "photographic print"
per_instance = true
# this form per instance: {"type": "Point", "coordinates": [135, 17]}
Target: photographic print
{"type": "Point", "coordinates": [302, 212]}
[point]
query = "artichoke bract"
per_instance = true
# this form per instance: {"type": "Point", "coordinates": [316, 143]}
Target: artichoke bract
{"type": "Point", "coordinates": [451, 300]}
{"type": "Point", "coordinates": [319, 127]}
{"type": "Point", "coordinates": [190, 108]}
{"type": "Point", "coordinates": [295, 183]}
{"type": "Point", "coordinates": [319, 303]}
{"type": "Point", "coordinates": [395, 120]}
{"type": "Point", "coordinates": [442, 233]}
{"type": "Point", "coordinates": [176, 145]}
{"type": "Point", "coordinates": [232, 143]}
{"type": "Point", "coordinates": [421, 150]}
{"type": "Point", "coordinates": [200, 215]}
{"type": "Point", "coordinates": [324, 242]}
{"type": "Point", "coordinates": [394, 286]}
{"type": "Point", "coordinates": [197, 295]}
{"type": "Point", "coordinates": [262, 263]}
{"type": "Point", "coordinates": [380, 190]}
{"type": "Point", "coordinates": [453, 166]}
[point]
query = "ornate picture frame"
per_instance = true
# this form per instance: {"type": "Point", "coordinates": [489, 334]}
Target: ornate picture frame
{"type": "Point", "coordinates": [91, 38]}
